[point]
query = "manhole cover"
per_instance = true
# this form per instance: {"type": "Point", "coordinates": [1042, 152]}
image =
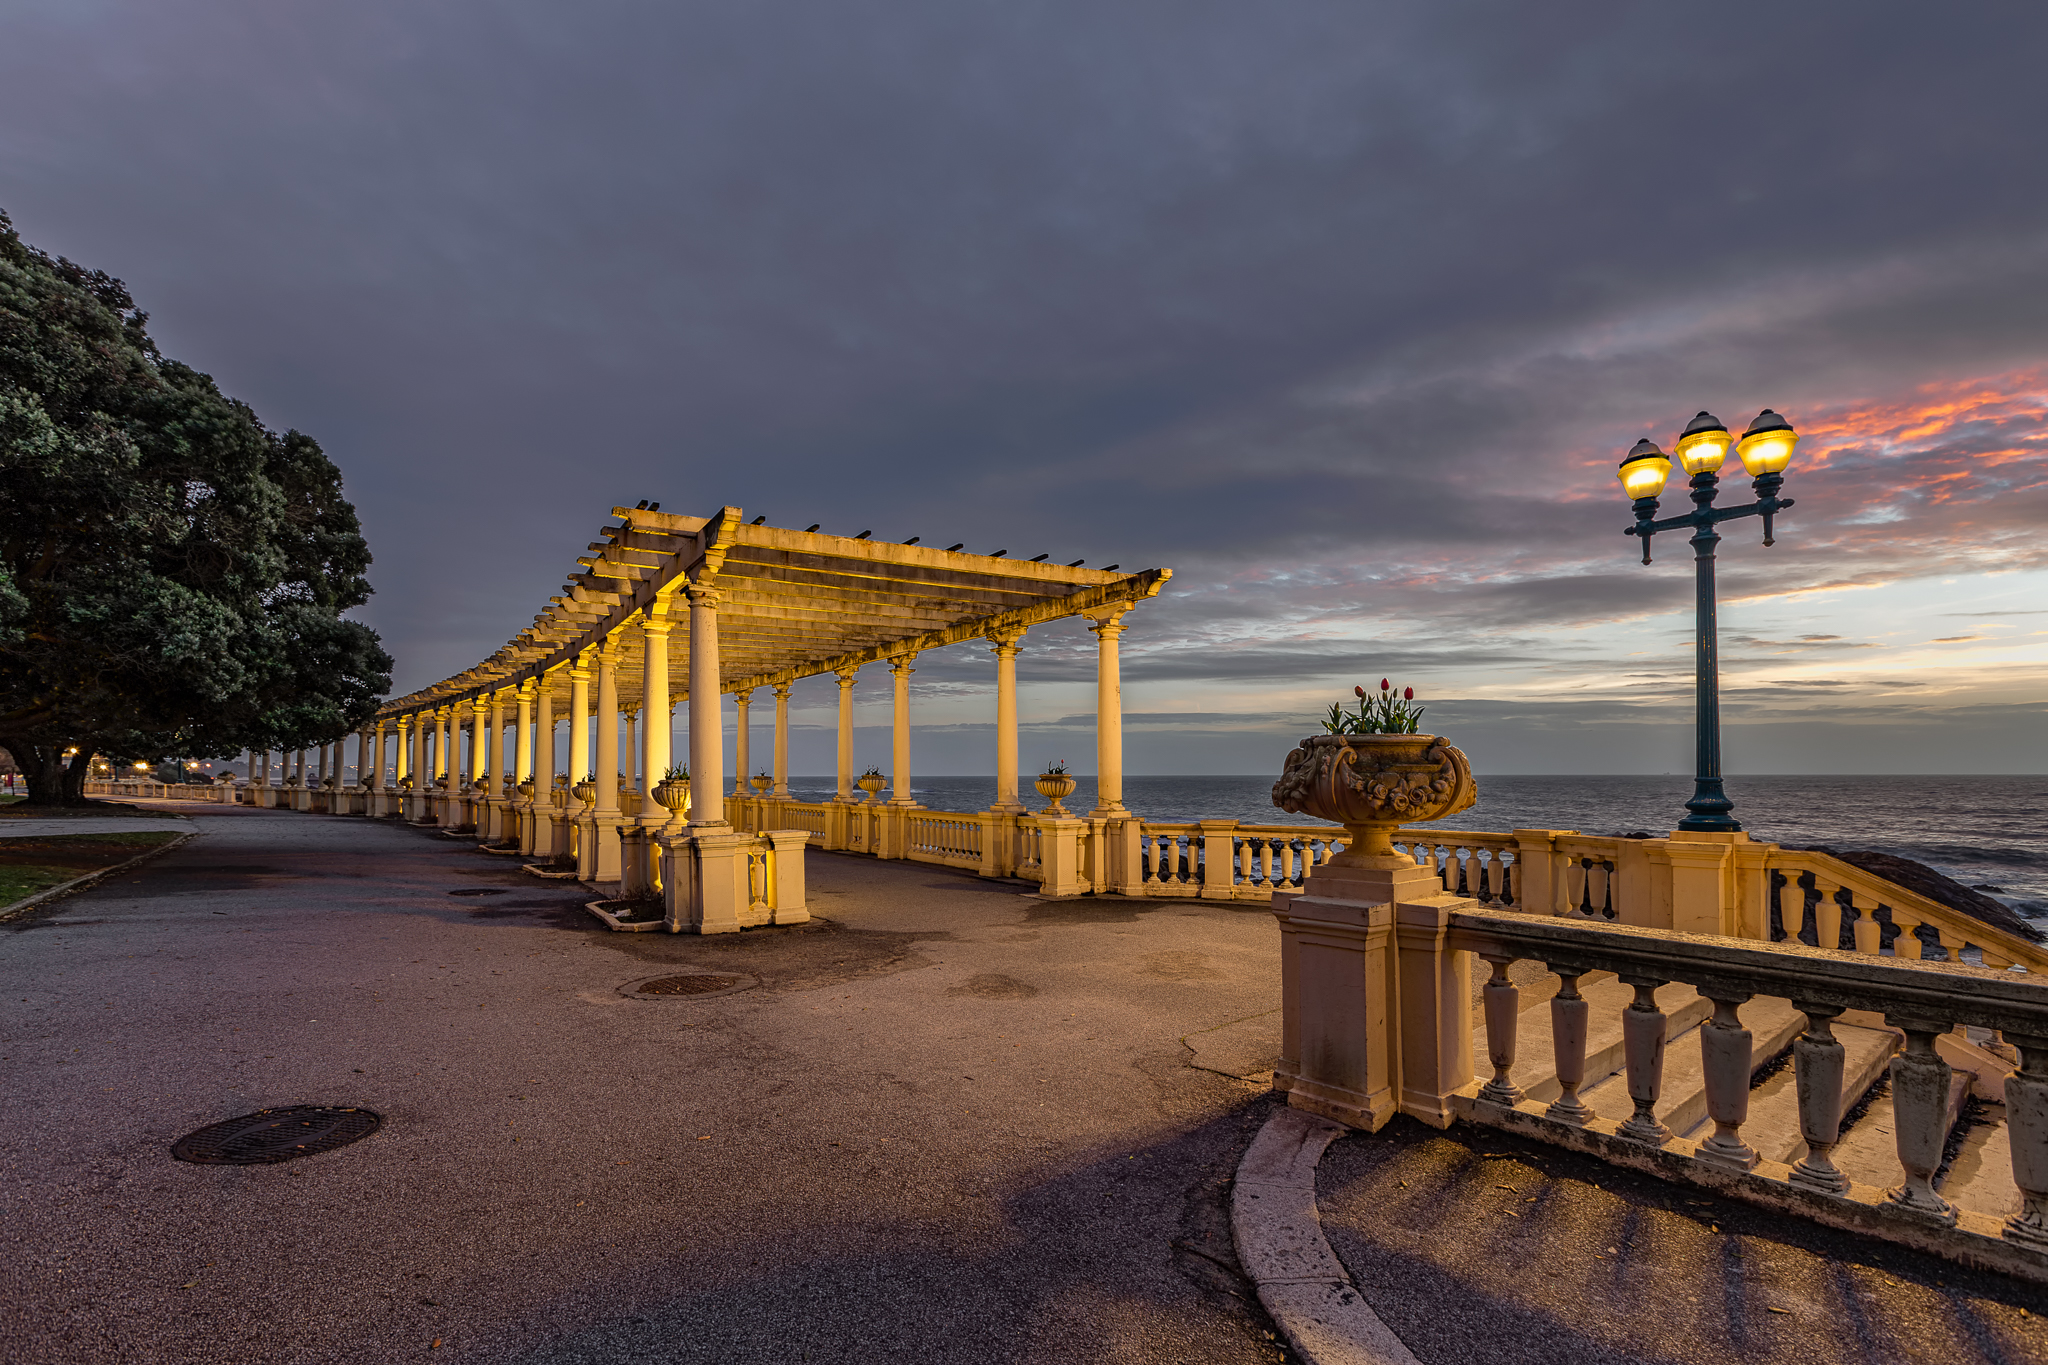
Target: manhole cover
{"type": "Point", "coordinates": [270, 1135]}
{"type": "Point", "coordinates": [478, 891]}
{"type": "Point", "coordinates": [692, 983]}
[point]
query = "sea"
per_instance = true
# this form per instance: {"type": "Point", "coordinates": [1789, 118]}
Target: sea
{"type": "Point", "coordinates": [1987, 832]}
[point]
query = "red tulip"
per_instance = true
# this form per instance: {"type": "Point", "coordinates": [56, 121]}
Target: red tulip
{"type": "Point", "coordinates": [1384, 684]}
{"type": "Point", "coordinates": [1359, 690]}
{"type": "Point", "coordinates": [1409, 693]}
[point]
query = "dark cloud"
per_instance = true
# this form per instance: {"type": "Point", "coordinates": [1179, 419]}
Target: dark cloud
{"type": "Point", "coordinates": [1342, 311]}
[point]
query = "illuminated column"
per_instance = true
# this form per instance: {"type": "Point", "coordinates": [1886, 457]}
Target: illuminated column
{"type": "Point", "coordinates": [543, 737]}
{"type": "Point", "coordinates": [847, 677]}
{"type": "Point", "coordinates": [579, 719]}
{"type": "Point", "coordinates": [493, 745]}
{"type": "Point", "coordinates": [443, 769]}
{"type": "Point", "coordinates": [1109, 715]}
{"type": "Point", "coordinates": [630, 754]}
{"type": "Point", "coordinates": [1007, 645]}
{"type": "Point", "coordinates": [782, 739]}
{"type": "Point", "coordinates": [523, 737]}
{"type": "Point", "coordinates": [741, 701]}
{"type": "Point", "coordinates": [707, 743]}
{"type": "Point", "coordinates": [405, 740]}
{"type": "Point", "coordinates": [607, 764]}
{"type": "Point", "coordinates": [480, 743]}
{"type": "Point", "coordinates": [900, 670]}
{"type": "Point", "coordinates": [654, 739]}
{"type": "Point", "coordinates": [377, 764]}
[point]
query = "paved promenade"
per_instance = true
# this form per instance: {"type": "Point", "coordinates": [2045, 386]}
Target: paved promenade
{"type": "Point", "coordinates": [952, 1122]}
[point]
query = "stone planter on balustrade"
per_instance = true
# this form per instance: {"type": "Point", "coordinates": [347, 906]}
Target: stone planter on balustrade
{"type": "Point", "coordinates": [1056, 788]}
{"type": "Point", "coordinates": [1365, 936]}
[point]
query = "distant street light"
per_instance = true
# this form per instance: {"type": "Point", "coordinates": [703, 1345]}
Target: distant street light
{"type": "Point", "coordinates": [1766, 448]}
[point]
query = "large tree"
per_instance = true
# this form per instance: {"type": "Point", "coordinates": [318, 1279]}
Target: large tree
{"type": "Point", "coordinates": [172, 573]}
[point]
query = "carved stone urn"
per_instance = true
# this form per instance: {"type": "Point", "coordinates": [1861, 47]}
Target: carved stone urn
{"type": "Point", "coordinates": [1056, 788]}
{"type": "Point", "coordinates": [674, 794]}
{"type": "Point", "coordinates": [1372, 785]}
{"type": "Point", "coordinates": [584, 791]}
{"type": "Point", "coordinates": [871, 783]}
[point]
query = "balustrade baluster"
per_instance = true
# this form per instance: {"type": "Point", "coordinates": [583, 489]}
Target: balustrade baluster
{"type": "Point", "coordinates": [1607, 910]}
{"type": "Point", "coordinates": [1503, 1003]}
{"type": "Point", "coordinates": [1866, 929]}
{"type": "Point", "coordinates": [1726, 1051]}
{"type": "Point", "coordinates": [1560, 883]}
{"type": "Point", "coordinates": [1507, 883]}
{"type": "Point", "coordinates": [1817, 1058]}
{"type": "Point", "coordinates": [1484, 893]}
{"type": "Point", "coordinates": [1642, 1041]}
{"type": "Point", "coordinates": [1791, 907]}
{"type": "Point", "coordinates": [1906, 945]}
{"type": "Point", "coordinates": [1920, 1084]}
{"type": "Point", "coordinates": [1586, 888]}
{"type": "Point", "coordinates": [1950, 943]}
{"type": "Point", "coordinates": [1827, 916]}
{"type": "Point", "coordinates": [1568, 1011]}
{"type": "Point", "coordinates": [2026, 1121]}
{"type": "Point", "coordinates": [1448, 868]}
{"type": "Point", "coordinates": [1298, 862]}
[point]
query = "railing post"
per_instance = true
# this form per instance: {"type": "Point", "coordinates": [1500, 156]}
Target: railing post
{"type": "Point", "coordinates": [787, 875]}
{"type": "Point", "coordinates": [1920, 1088]}
{"type": "Point", "coordinates": [1701, 867]}
{"type": "Point", "coordinates": [1817, 1060]}
{"type": "Point", "coordinates": [1436, 1013]}
{"type": "Point", "coordinates": [1866, 929]}
{"type": "Point", "coordinates": [1568, 1015]}
{"type": "Point", "coordinates": [2026, 1120]}
{"type": "Point", "coordinates": [1827, 915]}
{"type": "Point", "coordinates": [1219, 866]}
{"type": "Point", "coordinates": [1642, 1034]}
{"type": "Point", "coordinates": [1503, 1003]}
{"type": "Point", "coordinates": [1726, 1049]}
{"type": "Point", "coordinates": [1060, 856]}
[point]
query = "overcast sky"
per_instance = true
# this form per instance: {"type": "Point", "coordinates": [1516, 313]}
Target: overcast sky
{"type": "Point", "coordinates": [1345, 312]}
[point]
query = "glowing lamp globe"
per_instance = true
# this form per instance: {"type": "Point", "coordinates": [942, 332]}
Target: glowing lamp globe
{"type": "Point", "coordinates": [1703, 444]}
{"type": "Point", "coordinates": [1643, 472]}
{"type": "Point", "coordinates": [1767, 446]}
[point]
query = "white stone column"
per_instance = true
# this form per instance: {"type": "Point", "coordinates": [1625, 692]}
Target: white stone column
{"type": "Point", "coordinates": [899, 715]}
{"type": "Point", "coordinates": [1109, 715]}
{"type": "Point", "coordinates": [480, 742]}
{"type": "Point", "coordinates": [443, 769]}
{"type": "Point", "coordinates": [607, 763]}
{"type": "Point", "coordinates": [522, 742]}
{"type": "Point", "coordinates": [579, 719]}
{"type": "Point", "coordinates": [377, 765]}
{"type": "Point", "coordinates": [847, 677]}
{"type": "Point", "coordinates": [363, 759]}
{"type": "Point", "coordinates": [654, 739]}
{"type": "Point", "coordinates": [543, 737]}
{"type": "Point", "coordinates": [494, 746]}
{"type": "Point", "coordinates": [629, 753]}
{"type": "Point", "coordinates": [1007, 645]}
{"type": "Point", "coordinates": [707, 742]}
{"type": "Point", "coordinates": [742, 729]}
{"type": "Point", "coordinates": [321, 778]}
{"type": "Point", "coordinates": [781, 787]}
{"type": "Point", "coordinates": [262, 780]}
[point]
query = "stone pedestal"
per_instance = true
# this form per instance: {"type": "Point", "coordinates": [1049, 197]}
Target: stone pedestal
{"type": "Point", "coordinates": [1361, 945]}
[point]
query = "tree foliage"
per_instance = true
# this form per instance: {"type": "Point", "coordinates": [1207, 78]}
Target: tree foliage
{"type": "Point", "coordinates": [172, 573]}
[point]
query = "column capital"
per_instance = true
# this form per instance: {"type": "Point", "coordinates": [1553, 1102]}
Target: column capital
{"type": "Point", "coordinates": [1106, 622]}
{"type": "Point", "coordinates": [900, 665]}
{"type": "Point", "coordinates": [527, 688]}
{"type": "Point", "coordinates": [1006, 640]}
{"type": "Point", "coordinates": [743, 696]}
{"type": "Point", "coordinates": [702, 595]}
{"type": "Point", "coordinates": [651, 624]}
{"type": "Point", "coordinates": [781, 690]}
{"type": "Point", "coordinates": [481, 702]}
{"type": "Point", "coordinates": [847, 676]}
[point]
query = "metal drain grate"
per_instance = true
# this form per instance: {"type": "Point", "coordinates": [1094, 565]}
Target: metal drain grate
{"type": "Point", "coordinates": [697, 983]}
{"type": "Point", "coordinates": [478, 891]}
{"type": "Point", "coordinates": [271, 1135]}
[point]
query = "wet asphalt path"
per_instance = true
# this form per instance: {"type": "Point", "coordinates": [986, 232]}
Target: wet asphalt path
{"type": "Point", "coordinates": [950, 1123]}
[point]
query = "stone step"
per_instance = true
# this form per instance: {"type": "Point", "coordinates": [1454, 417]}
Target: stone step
{"type": "Point", "coordinates": [1773, 1127]}
{"type": "Point", "coordinates": [1682, 1098]}
{"type": "Point", "coordinates": [1535, 1068]}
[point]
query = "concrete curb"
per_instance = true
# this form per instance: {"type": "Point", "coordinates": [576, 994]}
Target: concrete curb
{"type": "Point", "coordinates": [22, 907]}
{"type": "Point", "coordinates": [1281, 1246]}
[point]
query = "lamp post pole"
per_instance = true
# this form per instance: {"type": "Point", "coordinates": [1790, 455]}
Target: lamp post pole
{"type": "Point", "coordinates": [1765, 449]}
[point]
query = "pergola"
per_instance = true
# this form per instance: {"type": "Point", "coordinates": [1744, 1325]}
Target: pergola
{"type": "Point", "coordinates": [766, 606]}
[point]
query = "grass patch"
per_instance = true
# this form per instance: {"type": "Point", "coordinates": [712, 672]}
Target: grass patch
{"type": "Point", "coordinates": [35, 864]}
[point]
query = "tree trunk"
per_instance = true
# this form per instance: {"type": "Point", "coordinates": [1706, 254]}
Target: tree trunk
{"type": "Point", "coordinates": [51, 781]}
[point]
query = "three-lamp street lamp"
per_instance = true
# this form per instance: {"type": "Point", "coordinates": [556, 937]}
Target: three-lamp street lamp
{"type": "Point", "coordinates": [1765, 450]}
